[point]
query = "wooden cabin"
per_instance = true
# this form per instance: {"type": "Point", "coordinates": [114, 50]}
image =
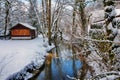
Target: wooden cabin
{"type": "Point", "coordinates": [23, 31]}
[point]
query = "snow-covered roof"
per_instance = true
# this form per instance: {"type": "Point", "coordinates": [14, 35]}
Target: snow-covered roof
{"type": "Point", "coordinates": [26, 25]}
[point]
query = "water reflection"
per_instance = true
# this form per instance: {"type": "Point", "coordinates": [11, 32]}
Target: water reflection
{"type": "Point", "coordinates": [60, 68]}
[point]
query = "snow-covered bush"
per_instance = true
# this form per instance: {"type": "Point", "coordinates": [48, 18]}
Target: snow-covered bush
{"type": "Point", "coordinates": [108, 76]}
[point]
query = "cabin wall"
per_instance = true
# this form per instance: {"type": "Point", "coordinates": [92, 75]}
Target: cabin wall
{"type": "Point", "coordinates": [33, 34]}
{"type": "Point", "coordinates": [20, 32]}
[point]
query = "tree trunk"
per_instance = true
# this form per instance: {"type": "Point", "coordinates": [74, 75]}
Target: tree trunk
{"type": "Point", "coordinates": [7, 19]}
{"type": "Point", "coordinates": [74, 15]}
{"type": "Point", "coordinates": [43, 16]}
{"type": "Point", "coordinates": [49, 20]}
{"type": "Point", "coordinates": [83, 18]}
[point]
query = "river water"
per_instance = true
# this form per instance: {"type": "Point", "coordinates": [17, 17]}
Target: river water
{"type": "Point", "coordinates": [63, 68]}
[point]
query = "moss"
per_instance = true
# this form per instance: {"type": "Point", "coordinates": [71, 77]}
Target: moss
{"type": "Point", "coordinates": [99, 35]}
{"type": "Point", "coordinates": [96, 26]}
{"type": "Point", "coordinates": [108, 3]}
{"type": "Point", "coordinates": [111, 56]}
{"type": "Point", "coordinates": [102, 46]}
{"type": "Point", "coordinates": [108, 10]}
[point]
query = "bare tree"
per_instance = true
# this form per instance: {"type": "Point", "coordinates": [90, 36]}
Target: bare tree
{"type": "Point", "coordinates": [32, 13]}
{"type": "Point", "coordinates": [40, 27]}
{"type": "Point", "coordinates": [7, 17]}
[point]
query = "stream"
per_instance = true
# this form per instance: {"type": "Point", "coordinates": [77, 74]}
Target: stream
{"type": "Point", "coordinates": [61, 69]}
{"type": "Point", "coordinates": [64, 67]}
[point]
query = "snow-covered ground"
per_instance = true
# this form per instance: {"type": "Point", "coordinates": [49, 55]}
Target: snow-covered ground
{"type": "Point", "coordinates": [16, 54]}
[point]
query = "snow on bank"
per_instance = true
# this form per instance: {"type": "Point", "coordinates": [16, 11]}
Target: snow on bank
{"type": "Point", "coordinates": [16, 54]}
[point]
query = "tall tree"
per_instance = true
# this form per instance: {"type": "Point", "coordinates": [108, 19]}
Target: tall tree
{"type": "Point", "coordinates": [44, 17]}
{"type": "Point", "coordinates": [35, 15]}
{"type": "Point", "coordinates": [83, 18]}
{"type": "Point", "coordinates": [7, 17]}
{"type": "Point", "coordinates": [48, 19]}
{"type": "Point", "coordinates": [74, 18]}
{"type": "Point", "coordinates": [32, 13]}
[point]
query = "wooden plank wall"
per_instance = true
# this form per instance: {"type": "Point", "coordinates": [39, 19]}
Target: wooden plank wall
{"type": "Point", "coordinates": [20, 32]}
